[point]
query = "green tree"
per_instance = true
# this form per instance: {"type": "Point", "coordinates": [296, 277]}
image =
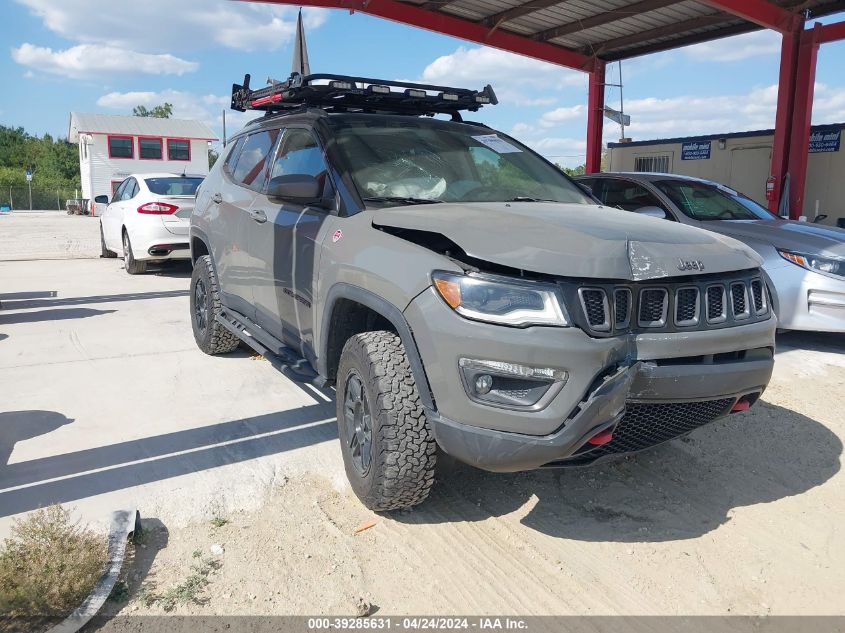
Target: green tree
{"type": "Point", "coordinates": [54, 162]}
{"type": "Point", "coordinates": [212, 157]}
{"type": "Point", "coordinates": [163, 111]}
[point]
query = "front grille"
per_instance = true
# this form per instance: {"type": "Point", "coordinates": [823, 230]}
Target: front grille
{"type": "Point", "coordinates": [686, 306]}
{"type": "Point", "coordinates": [594, 302]}
{"type": "Point", "coordinates": [739, 301]}
{"type": "Point", "coordinates": [759, 296]}
{"type": "Point", "coordinates": [622, 307]}
{"type": "Point", "coordinates": [716, 304]}
{"type": "Point", "coordinates": [648, 424]}
{"type": "Point", "coordinates": [654, 303]}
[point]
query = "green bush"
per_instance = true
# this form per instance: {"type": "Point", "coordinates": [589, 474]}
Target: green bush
{"type": "Point", "coordinates": [49, 565]}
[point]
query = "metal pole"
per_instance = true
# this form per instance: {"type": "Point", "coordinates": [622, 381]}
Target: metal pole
{"type": "Point", "coordinates": [224, 127]}
{"type": "Point", "coordinates": [621, 102]}
{"type": "Point", "coordinates": [11, 202]}
{"type": "Point", "coordinates": [29, 183]}
{"type": "Point", "coordinates": [595, 115]}
{"type": "Point", "coordinates": [58, 204]}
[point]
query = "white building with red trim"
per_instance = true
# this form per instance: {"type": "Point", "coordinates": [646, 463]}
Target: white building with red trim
{"type": "Point", "coordinates": [111, 147]}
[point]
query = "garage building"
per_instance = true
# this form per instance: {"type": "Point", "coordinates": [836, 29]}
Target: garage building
{"type": "Point", "coordinates": [742, 161]}
{"type": "Point", "coordinates": [111, 147]}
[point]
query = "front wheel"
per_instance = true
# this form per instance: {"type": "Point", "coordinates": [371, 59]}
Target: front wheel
{"type": "Point", "coordinates": [105, 252]}
{"type": "Point", "coordinates": [389, 451]}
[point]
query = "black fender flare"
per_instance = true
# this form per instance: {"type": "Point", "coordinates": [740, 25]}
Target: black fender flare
{"type": "Point", "coordinates": [202, 237]}
{"type": "Point", "coordinates": [390, 312]}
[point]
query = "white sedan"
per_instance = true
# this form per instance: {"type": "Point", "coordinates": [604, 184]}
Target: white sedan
{"type": "Point", "coordinates": [148, 219]}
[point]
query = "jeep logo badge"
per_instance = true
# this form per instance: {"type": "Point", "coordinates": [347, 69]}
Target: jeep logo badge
{"type": "Point", "coordinates": [690, 264]}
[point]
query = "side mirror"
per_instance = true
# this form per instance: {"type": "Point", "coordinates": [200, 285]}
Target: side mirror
{"type": "Point", "coordinates": [652, 212]}
{"type": "Point", "coordinates": [101, 199]}
{"type": "Point", "coordinates": [821, 217]}
{"type": "Point", "coordinates": [297, 188]}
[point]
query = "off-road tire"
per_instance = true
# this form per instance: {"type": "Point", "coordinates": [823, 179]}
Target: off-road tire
{"type": "Point", "coordinates": [104, 252]}
{"type": "Point", "coordinates": [130, 264]}
{"type": "Point", "coordinates": [213, 338]}
{"type": "Point", "coordinates": [404, 452]}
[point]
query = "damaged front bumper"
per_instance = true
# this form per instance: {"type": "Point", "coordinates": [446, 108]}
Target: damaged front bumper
{"type": "Point", "coordinates": [605, 410]}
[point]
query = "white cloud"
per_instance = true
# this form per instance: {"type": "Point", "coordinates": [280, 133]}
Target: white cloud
{"type": "Point", "coordinates": [554, 117]}
{"type": "Point", "coordinates": [186, 105]}
{"type": "Point", "coordinates": [162, 25]}
{"type": "Point", "coordinates": [509, 74]}
{"type": "Point", "coordinates": [86, 60]}
{"type": "Point", "coordinates": [757, 44]}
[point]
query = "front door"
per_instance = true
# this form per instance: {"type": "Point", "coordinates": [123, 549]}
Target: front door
{"type": "Point", "coordinates": [243, 176]}
{"type": "Point", "coordinates": [287, 242]}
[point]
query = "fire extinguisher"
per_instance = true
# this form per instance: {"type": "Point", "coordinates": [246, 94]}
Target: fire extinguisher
{"type": "Point", "coordinates": [770, 188]}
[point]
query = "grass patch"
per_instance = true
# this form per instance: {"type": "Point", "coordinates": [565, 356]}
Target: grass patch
{"type": "Point", "coordinates": [120, 592]}
{"type": "Point", "coordinates": [189, 591]}
{"type": "Point", "coordinates": [218, 522]}
{"type": "Point", "coordinates": [49, 565]}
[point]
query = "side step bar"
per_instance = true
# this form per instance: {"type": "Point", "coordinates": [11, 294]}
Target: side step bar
{"type": "Point", "coordinates": [285, 359]}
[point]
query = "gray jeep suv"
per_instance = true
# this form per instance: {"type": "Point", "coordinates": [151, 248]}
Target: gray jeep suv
{"type": "Point", "coordinates": [461, 293]}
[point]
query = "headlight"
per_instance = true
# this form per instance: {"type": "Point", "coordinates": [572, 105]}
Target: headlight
{"type": "Point", "coordinates": [502, 301]}
{"type": "Point", "coordinates": [818, 264]}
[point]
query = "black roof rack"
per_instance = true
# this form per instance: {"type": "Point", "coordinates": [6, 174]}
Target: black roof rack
{"type": "Point", "coordinates": [341, 93]}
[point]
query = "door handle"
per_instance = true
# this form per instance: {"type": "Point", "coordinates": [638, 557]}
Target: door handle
{"type": "Point", "coordinates": [217, 198]}
{"type": "Point", "coordinates": [258, 215]}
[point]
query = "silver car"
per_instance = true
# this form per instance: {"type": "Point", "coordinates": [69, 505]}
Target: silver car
{"type": "Point", "coordinates": [805, 261]}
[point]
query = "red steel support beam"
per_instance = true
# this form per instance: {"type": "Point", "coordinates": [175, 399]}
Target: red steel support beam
{"type": "Point", "coordinates": [763, 12]}
{"type": "Point", "coordinates": [783, 118]}
{"type": "Point", "coordinates": [800, 135]}
{"type": "Point", "coordinates": [832, 33]}
{"type": "Point", "coordinates": [595, 118]}
{"type": "Point", "coordinates": [456, 27]}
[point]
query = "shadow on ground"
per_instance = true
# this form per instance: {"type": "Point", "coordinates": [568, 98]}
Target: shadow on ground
{"type": "Point", "coordinates": [51, 315]}
{"type": "Point", "coordinates": [812, 341]}
{"type": "Point", "coordinates": [680, 490]}
{"type": "Point", "coordinates": [41, 302]}
{"type": "Point", "coordinates": [77, 475]}
{"type": "Point", "coordinates": [19, 426]}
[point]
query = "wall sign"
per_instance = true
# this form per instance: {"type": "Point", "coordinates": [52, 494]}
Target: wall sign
{"type": "Point", "coordinates": [828, 141]}
{"type": "Point", "coordinates": [695, 150]}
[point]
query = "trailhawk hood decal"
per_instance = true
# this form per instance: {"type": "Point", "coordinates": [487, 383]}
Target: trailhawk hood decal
{"type": "Point", "coordinates": [573, 240]}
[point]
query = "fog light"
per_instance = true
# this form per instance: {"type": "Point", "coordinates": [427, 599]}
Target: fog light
{"type": "Point", "coordinates": [510, 385]}
{"type": "Point", "coordinates": [483, 384]}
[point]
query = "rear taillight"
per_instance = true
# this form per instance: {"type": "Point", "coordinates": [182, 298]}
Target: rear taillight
{"type": "Point", "coordinates": [158, 208]}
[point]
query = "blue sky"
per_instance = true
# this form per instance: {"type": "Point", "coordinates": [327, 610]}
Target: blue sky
{"type": "Point", "coordinates": [108, 56]}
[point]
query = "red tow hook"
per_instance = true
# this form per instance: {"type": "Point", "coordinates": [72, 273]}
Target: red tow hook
{"type": "Point", "coordinates": [599, 439]}
{"type": "Point", "coordinates": [741, 405]}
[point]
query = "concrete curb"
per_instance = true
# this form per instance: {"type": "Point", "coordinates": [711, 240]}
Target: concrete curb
{"type": "Point", "coordinates": [123, 523]}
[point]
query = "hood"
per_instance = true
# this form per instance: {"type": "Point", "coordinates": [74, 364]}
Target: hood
{"type": "Point", "coordinates": [573, 240]}
{"type": "Point", "coordinates": [801, 237]}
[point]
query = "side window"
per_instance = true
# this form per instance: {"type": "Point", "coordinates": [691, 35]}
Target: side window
{"type": "Point", "coordinates": [591, 184]}
{"type": "Point", "coordinates": [623, 194]}
{"type": "Point", "coordinates": [300, 154]}
{"type": "Point", "coordinates": [232, 156]}
{"type": "Point", "coordinates": [251, 166]}
{"type": "Point", "coordinates": [129, 190]}
{"type": "Point", "coordinates": [118, 193]}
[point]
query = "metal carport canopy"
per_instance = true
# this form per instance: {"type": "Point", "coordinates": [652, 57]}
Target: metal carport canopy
{"type": "Point", "coordinates": [586, 34]}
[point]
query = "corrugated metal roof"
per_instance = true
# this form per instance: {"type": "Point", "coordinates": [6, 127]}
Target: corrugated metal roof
{"type": "Point", "coordinates": [613, 29]}
{"type": "Point", "coordinates": [81, 122]}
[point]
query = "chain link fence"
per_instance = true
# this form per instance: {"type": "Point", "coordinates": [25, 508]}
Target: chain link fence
{"type": "Point", "coordinates": [43, 198]}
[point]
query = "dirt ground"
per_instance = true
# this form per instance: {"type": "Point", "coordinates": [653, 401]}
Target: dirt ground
{"type": "Point", "coordinates": [736, 518]}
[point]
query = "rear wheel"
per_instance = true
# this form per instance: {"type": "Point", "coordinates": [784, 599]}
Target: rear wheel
{"type": "Point", "coordinates": [389, 450]}
{"type": "Point", "coordinates": [209, 333]}
{"type": "Point", "coordinates": [104, 252]}
{"type": "Point", "coordinates": [130, 264]}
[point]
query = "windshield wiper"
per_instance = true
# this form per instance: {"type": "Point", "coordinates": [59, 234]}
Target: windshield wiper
{"type": "Point", "coordinates": [402, 200]}
{"type": "Point", "coordinates": [528, 199]}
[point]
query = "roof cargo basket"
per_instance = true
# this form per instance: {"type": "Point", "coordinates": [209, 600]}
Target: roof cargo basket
{"type": "Point", "coordinates": [341, 93]}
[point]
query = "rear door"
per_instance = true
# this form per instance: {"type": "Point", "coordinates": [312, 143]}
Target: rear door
{"type": "Point", "coordinates": [242, 176]}
{"type": "Point", "coordinates": [286, 242]}
{"type": "Point", "coordinates": [113, 218]}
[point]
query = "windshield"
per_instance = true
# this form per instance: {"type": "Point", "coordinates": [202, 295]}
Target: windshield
{"type": "Point", "coordinates": [703, 201]}
{"type": "Point", "coordinates": [410, 161]}
{"type": "Point", "coordinates": [174, 186]}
